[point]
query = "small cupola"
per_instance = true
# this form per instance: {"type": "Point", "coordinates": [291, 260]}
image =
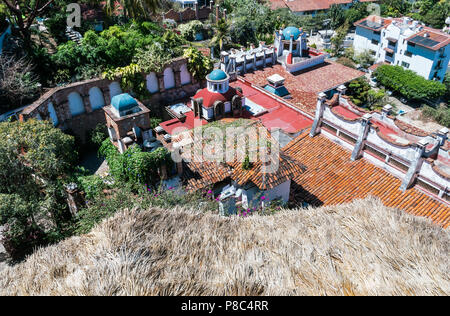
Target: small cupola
{"type": "Point", "coordinates": [218, 81]}
{"type": "Point", "coordinates": [124, 104]}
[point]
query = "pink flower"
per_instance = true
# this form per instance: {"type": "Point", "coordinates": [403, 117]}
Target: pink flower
{"type": "Point", "coordinates": [263, 198]}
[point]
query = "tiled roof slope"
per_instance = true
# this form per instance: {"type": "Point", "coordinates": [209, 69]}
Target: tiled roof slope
{"type": "Point", "coordinates": [332, 178]}
{"type": "Point", "coordinates": [304, 85]}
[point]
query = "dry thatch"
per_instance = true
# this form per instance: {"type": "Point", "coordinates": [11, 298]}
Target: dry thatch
{"type": "Point", "coordinates": [357, 249]}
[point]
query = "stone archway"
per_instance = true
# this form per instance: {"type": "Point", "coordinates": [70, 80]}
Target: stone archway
{"type": "Point", "coordinates": [52, 114]}
{"type": "Point", "coordinates": [169, 79]}
{"type": "Point", "coordinates": [185, 76]}
{"type": "Point", "coordinates": [76, 104]}
{"type": "Point", "coordinates": [219, 110]}
{"type": "Point", "coordinates": [236, 105]}
{"type": "Point", "coordinates": [96, 98]}
{"type": "Point", "coordinates": [152, 83]}
{"type": "Point", "coordinates": [114, 89]}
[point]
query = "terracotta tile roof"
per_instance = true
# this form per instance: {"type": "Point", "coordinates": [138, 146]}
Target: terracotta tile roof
{"type": "Point", "coordinates": [306, 84]}
{"type": "Point", "coordinates": [198, 175]}
{"type": "Point", "coordinates": [332, 178]}
{"type": "Point", "coordinates": [277, 4]}
{"type": "Point", "coordinates": [312, 5]}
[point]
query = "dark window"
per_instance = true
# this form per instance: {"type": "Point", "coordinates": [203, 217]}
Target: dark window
{"type": "Point", "coordinates": [391, 43]}
{"type": "Point", "coordinates": [406, 65]}
{"type": "Point", "coordinates": [376, 32]}
{"type": "Point", "coordinates": [372, 52]}
{"type": "Point", "coordinates": [389, 54]}
{"type": "Point", "coordinates": [428, 187]}
{"type": "Point", "coordinates": [409, 54]}
{"type": "Point", "coordinates": [375, 42]}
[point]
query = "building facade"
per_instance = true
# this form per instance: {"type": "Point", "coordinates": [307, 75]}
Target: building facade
{"type": "Point", "coordinates": [404, 42]}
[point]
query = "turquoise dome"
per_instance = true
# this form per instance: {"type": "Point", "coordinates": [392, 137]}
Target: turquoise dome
{"type": "Point", "coordinates": [217, 75]}
{"type": "Point", "coordinates": [291, 30]}
{"type": "Point", "coordinates": [123, 102]}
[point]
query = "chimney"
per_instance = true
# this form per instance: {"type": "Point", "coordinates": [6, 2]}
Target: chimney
{"type": "Point", "coordinates": [342, 89]}
{"type": "Point", "coordinates": [320, 107]}
{"type": "Point", "coordinates": [386, 111]}
{"type": "Point", "coordinates": [442, 135]}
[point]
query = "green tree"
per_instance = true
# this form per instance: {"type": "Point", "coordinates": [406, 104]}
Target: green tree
{"type": "Point", "coordinates": [409, 84]}
{"type": "Point", "coordinates": [337, 16]}
{"type": "Point", "coordinates": [358, 90]}
{"type": "Point", "coordinates": [35, 159]}
{"type": "Point", "coordinates": [337, 41]}
{"type": "Point", "coordinates": [221, 36]}
{"type": "Point", "coordinates": [198, 64]}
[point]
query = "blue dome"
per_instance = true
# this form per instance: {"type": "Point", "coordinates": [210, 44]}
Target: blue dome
{"type": "Point", "coordinates": [291, 30]}
{"type": "Point", "coordinates": [123, 102]}
{"type": "Point", "coordinates": [217, 75]}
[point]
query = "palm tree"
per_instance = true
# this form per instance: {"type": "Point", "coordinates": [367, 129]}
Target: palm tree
{"type": "Point", "coordinates": [133, 8]}
{"type": "Point", "coordinates": [222, 29]}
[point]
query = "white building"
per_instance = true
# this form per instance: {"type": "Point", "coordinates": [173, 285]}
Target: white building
{"type": "Point", "coordinates": [404, 42]}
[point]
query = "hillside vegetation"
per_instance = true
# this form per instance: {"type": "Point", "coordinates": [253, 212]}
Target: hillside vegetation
{"type": "Point", "coordinates": [357, 249]}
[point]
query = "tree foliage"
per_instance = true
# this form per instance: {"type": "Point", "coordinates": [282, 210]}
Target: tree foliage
{"type": "Point", "coordinates": [408, 84]}
{"type": "Point", "coordinates": [18, 83]}
{"type": "Point", "coordinates": [198, 64]}
{"type": "Point", "coordinates": [35, 158]}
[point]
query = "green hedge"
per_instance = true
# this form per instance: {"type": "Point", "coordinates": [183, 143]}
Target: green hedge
{"type": "Point", "coordinates": [408, 84]}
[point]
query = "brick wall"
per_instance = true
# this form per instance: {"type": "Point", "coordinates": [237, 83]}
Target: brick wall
{"type": "Point", "coordinates": [82, 123]}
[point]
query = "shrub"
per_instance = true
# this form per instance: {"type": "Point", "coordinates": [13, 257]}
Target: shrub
{"type": "Point", "coordinates": [440, 115]}
{"type": "Point", "coordinates": [408, 84]}
{"type": "Point", "coordinates": [191, 29]}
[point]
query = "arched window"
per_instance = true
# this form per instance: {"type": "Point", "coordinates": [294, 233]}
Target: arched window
{"type": "Point", "coordinates": [152, 83]}
{"type": "Point", "coordinates": [114, 89]}
{"type": "Point", "coordinates": [96, 98]}
{"type": "Point", "coordinates": [76, 105]}
{"type": "Point", "coordinates": [185, 75]}
{"type": "Point", "coordinates": [169, 79]}
{"type": "Point", "coordinates": [52, 113]}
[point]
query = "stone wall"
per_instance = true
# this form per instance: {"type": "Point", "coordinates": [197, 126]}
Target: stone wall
{"type": "Point", "coordinates": [78, 107]}
{"type": "Point", "coordinates": [188, 14]}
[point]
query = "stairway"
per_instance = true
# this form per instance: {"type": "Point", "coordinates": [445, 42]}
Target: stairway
{"type": "Point", "coordinates": [74, 35]}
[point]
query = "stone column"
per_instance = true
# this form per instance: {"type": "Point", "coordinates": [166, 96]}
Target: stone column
{"type": "Point", "coordinates": [319, 114]}
{"type": "Point", "coordinates": [264, 56]}
{"type": "Point", "coordinates": [177, 75]}
{"type": "Point", "coordinates": [415, 166]}
{"type": "Point", "coordinates": [161, 85]}
{"type": "Point", "coordinates": [196, 9]}
{"type": "Point", "coordinates": [86, 102]}
{"type": "Point", "coordinates": [217, 13]}
{"type": "Point", "coordinates": [291, 43]}
{"type": "Point", "coordinates": [363, 131]}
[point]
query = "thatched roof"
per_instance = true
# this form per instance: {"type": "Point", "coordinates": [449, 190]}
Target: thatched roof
{"type": "Point", "coordinates": [361, 248]}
